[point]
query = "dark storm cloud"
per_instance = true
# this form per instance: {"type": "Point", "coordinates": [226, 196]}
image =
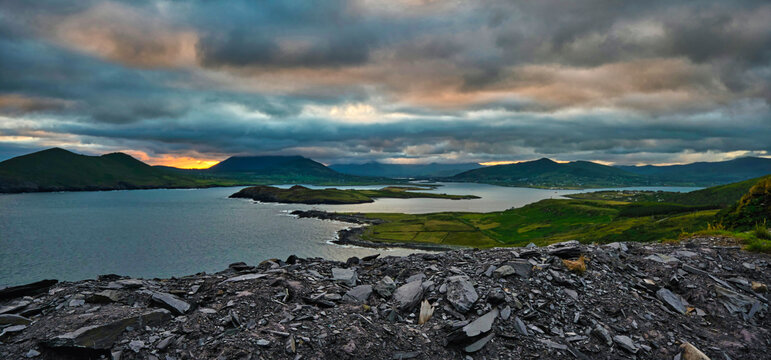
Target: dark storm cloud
{"type": "Point", "coordinates": [241, 48]}
{"type": "Point", "coordinates": [355, 80]}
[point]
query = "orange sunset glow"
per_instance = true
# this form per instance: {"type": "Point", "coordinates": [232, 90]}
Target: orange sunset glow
{"type": "Point", "coordinates": [182, 162]}
{"type": "Point", "coordinates": [504, 162]}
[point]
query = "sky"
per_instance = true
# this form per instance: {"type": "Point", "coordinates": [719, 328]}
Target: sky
{"type": "Point", "coordinates": [189, 83]}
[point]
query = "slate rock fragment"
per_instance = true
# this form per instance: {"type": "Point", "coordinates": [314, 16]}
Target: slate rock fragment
{"type": "Point", "coordinates": [461, 293]}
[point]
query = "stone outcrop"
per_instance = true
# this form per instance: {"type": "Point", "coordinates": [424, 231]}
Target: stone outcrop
{"type": "Point", "coordinates": [703, 301]}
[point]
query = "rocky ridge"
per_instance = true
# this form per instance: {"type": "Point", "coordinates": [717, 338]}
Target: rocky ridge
{"type": "Point", "coordinates": [696, 300]}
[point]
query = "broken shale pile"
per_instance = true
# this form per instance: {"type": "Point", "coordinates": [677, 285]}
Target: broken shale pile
{"type": "Point", "coordinates": [694, 300]}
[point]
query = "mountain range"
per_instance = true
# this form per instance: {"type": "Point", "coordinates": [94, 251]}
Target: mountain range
{"type": "Point", "coordinates": [706, 173]}
{"type": "Point", "coordinates": [548, 173]}
{"type": "Point", "coordinates": [584, 174]}
{"type": "Point", "coordinates": [61, 170]}
{"type": "Point", "coordinates": [404, 170]}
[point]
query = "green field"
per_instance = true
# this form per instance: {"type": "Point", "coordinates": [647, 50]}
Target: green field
{"type": "Point", "coordinates": [600, 217]}
{"type": "Point", "coordinates": [544, 222]}
{"type": "Point", "coordinates": [716, 197]}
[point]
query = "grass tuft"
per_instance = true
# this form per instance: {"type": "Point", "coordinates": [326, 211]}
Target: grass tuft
{"type": "Point", "coordinates": [576, 266]}
{"type": "Point", "coordinates": [761, 231]}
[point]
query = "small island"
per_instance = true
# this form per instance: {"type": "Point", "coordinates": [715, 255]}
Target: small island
{"type": "Point", "coordinates": [302, 195]}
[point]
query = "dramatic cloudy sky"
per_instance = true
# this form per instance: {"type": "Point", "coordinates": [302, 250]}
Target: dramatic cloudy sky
{"type": "Point", "coordinates": [186, 82]}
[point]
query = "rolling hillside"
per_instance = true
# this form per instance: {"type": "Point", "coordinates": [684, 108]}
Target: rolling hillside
{"type": "Point", "coordinates": [716, 197]}
{"type": "Point", "coordinates": [605, 216]}
{"type": "Point", "coordinates": [548, 173]}
{"type": "Point", "coordinates": [60, 170]}
{"type": "Point", "coordinates": [706, 173]}
{"type": "Point", "coordinates": [754, 208]}
{"type": "Point", "coordinates": [282, 169]}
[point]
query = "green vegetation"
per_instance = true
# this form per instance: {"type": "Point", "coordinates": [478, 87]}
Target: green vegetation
{"type": "Point", "coordinates": [706, 173]}
{"type": "Point", "coordinates": [60, 170]}
{"type": "Point", "coordinates": [544, 222]}
{"type": "Point", "coordinates": [301, 195]}
{"type": "Point", "coordinates": [758, 239]}
{"type": "Point", "coordinates": [753, 209]}
{"type": "Point", "coordinates": [593, 217]}
{"type": "Point", "coordinates": [761, 231]}
{"type": "Point", "coordinates": [715, 197]}
{"type": "Point", "coordinates": [547, 173]}
{"type": "Point", "coordinates": [267, 170]}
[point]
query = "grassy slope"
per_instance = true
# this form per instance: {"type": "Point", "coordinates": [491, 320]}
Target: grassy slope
{"type": "Point", "coordinates": [302, 195]}
{"type": "Point", "coordinates": [543, 222]}
{"type": "Point", "coordinates": [716, 196]}
{"type": "Point", "coordinates": [593, 217]}
{"type": "Point", "coordinates": [753, 209]}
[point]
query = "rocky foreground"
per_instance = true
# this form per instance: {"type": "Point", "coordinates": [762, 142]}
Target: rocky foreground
{"type": "Point", "coordinates": [695, 300]}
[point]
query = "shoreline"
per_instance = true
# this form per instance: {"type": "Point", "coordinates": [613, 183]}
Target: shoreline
{"type": "Point", "coordinates": [352, 236]}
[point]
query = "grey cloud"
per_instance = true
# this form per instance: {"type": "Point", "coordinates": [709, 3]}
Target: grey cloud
{"type": "Point", "coordinates": [679, 77]}
{"type": "Point", "coordinates": [239, 48]}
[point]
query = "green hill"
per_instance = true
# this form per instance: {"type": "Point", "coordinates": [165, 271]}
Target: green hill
{"type": "Point", "coordinates": [282, 170]}
{"type": "Point", "coordinates": [61, 170]}
{"type": "Point", "coordinates": [548, 173]}
{"type": "Point", "coordinates": [714, 197]}
{"type": "Point", "coordinates": [754, 208]}
{"type": "Point", "coordinates": [706, 173]}
{"type": "Point", "coordinates": [603, 216]}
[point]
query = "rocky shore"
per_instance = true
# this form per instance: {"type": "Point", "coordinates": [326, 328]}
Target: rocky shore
{"type": "Point", "coordinates": [700, 299]}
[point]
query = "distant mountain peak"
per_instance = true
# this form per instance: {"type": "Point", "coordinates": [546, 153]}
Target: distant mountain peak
{"type": "Point", "coordinates": [272, 165]}
{"type": "Point", "coordinates": [53, 150]}
{"type": "Point", "coordinates": [547, 172]}
{"type": "Point", "coordinates": [379, 169]}
{"type": "Point", "coordinates": [544, 160]}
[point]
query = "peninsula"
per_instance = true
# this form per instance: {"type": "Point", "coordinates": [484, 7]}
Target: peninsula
{"type": "Point", "coordinates": [302, 195]}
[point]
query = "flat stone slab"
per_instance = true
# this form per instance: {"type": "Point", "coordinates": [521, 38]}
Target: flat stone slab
{"type": "Point", "coordinates": [171, 303]}
{"type": "Point", "coordinates": [358, 294]}
{"type": "Point", "coordinates": [103, 297]}
{"type": "Point", "coordinates": [245, 277]}
{"type": "Point", "coordinates": [408, 295]}
{"type": "Point", "coordinates": [482, 324]}
{"type": "Point", "coordinates": [13, 319]}
{"type": "Point", "coordinates": [27, 289]}
{"type": "Point", "coordinates": [521, 268]}
{"type": "Point", "coordinates": [461, 293]}
{"type": "Point", "coordinates": [14, 308]}
{"type": "Point", "coordinates": [625, 343]}
{"type": "Point", "coordinates": [102, 337]}
{"type": "Point", "coordinates": [345, 276]}
{"type": "Point", "coordinates": [674, 301]}
{"type": "Point", "coordinates": [663, 259]}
